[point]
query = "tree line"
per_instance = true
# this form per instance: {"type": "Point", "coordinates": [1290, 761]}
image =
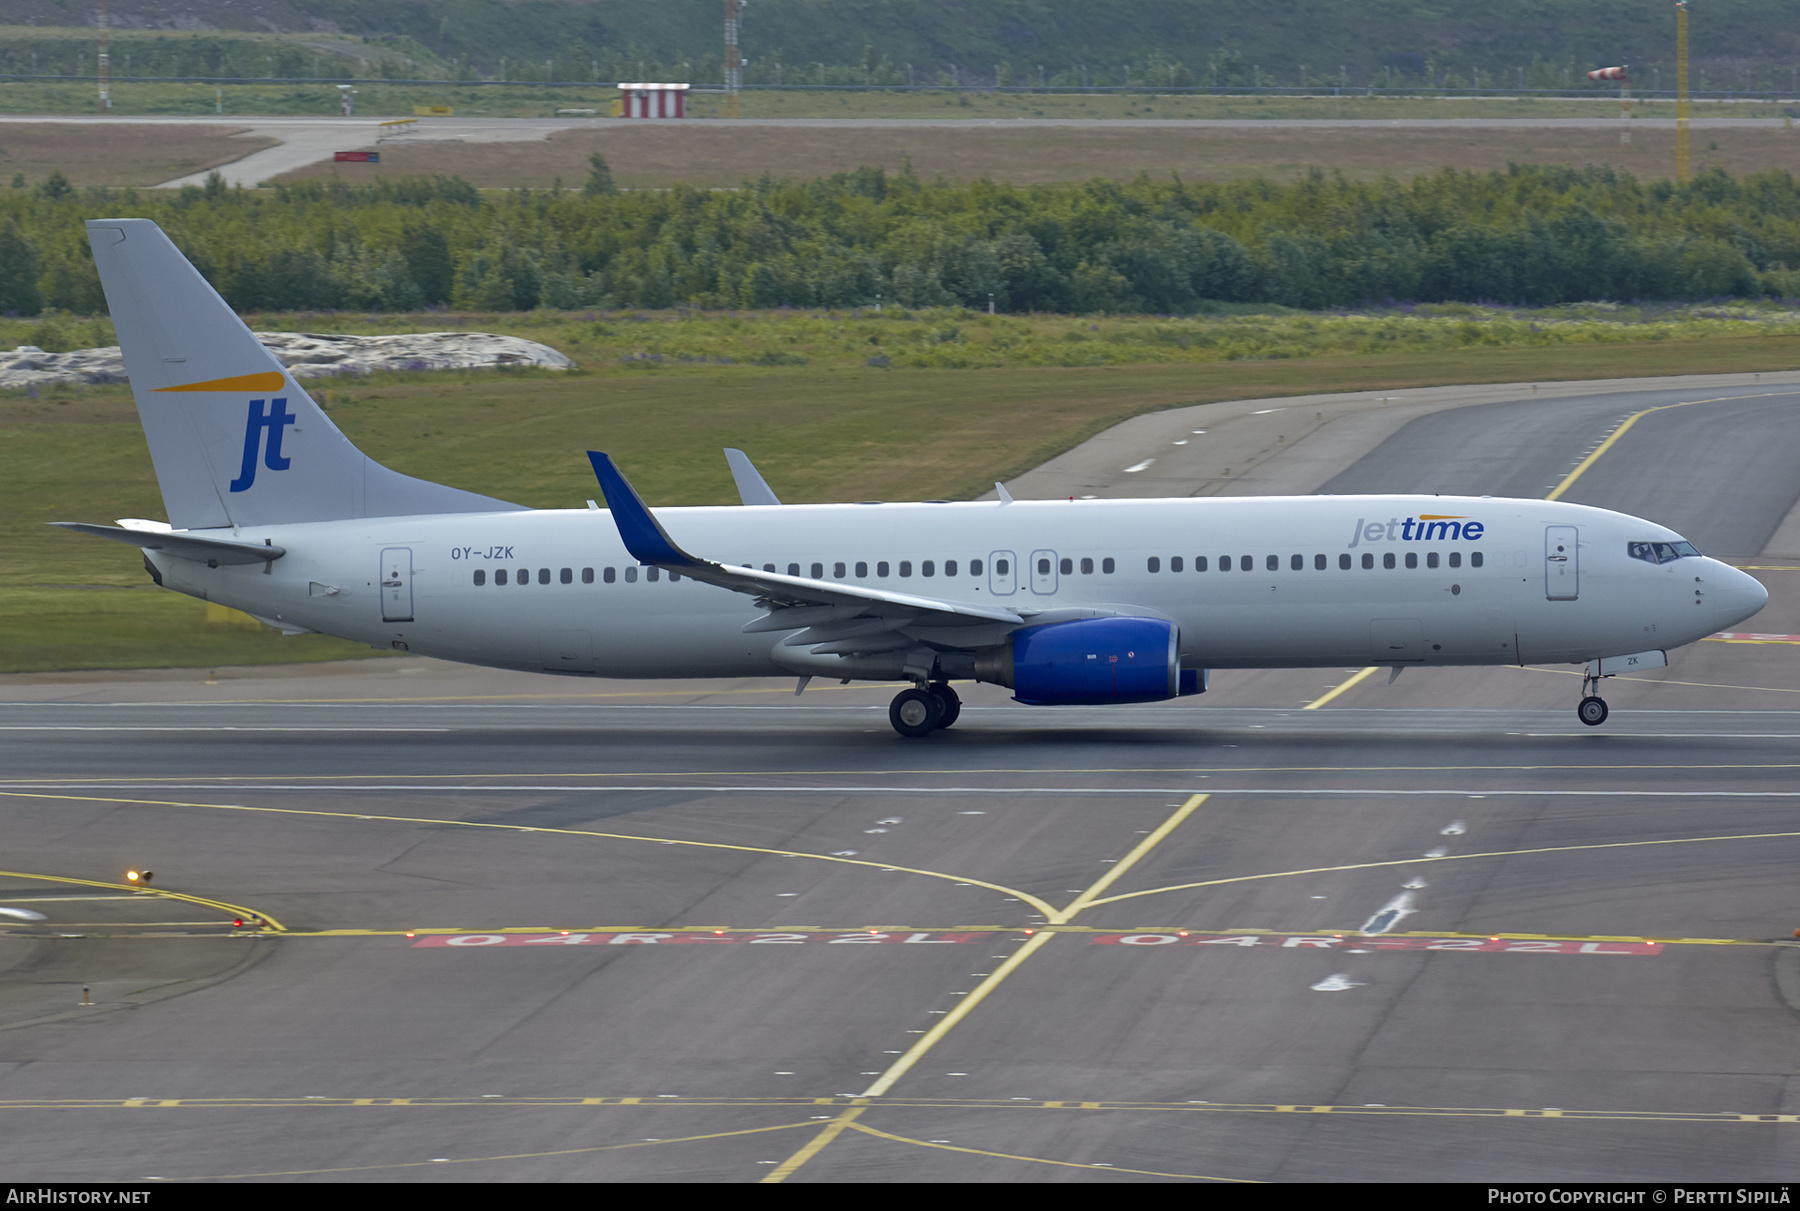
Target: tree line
{"type": "Point", "coordinates": [1529, 235]}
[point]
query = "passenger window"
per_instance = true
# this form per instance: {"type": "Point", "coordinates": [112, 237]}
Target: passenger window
{"type": "Point", "coordinates": [837, 571]}
{"type": "Point", "coordinates": [1043, 567]}
{"type": "Point", "coordinates": [1344, 562]}
{"type": "Point", "coordinates": [1175, 564]}
{"type": "Point", "coordinates": [673, 577]}
{"type": "Point", "coordinates": [499, 575]}
{"type": "Point", "coordinates": [881, 568]}
{"type": "Point", "coordinates": [1246, 563]}
{"type": "Point", "coordinates": [1412, 559]}
{"type": "Point", "coordinates": [1456, 559]}
{"type": "Point", "coordinates": [1106, 565]}
{"type": "Point", "coordinates": [793, 569]}
{"type": "Point", "coordinates": [568, 576]}
{"type": "Point", "coordinates": [1387, 560]}
{"type": "Point", "coordinates": [974, 567]}
{"type": "Point", "coordinates": [1153, 564]}
{"type": "Point", "coordinates": [652, 573]}
{"type": "Point", "coordinates": [906, 567]}
{"type": "Point", "coordinates": [862, 571]}
{"type": "Point", "coordinates": [1224, 563]}
{"type": "Point", "coordinates": [949, 567]}
{"type": "Point", "coordinates": [1199, 563]}
{"type": "Point", "coordinates": [768, 567]}
{"type": "Point", "coordinates": [927, 568]}
{"type": "Point", "coordinates": [524, 576]}
{"type": "Point", "coordinates": [1368, 560]}
{"type": "Point", "coordinates": [1297, 563]}
{"type": "Point", "coordinates": [587, 576]}
{"type": "Point", "coordinates": [1002, 567]}
{"type": "Point", "coordinates": [1087, 567]}
{"type": "Point", "coordinates": [818, 570]}
{"type": "Point", "coordinates": [1318, 563]}
{"type": "Point", "coordinates": [630, 575]}
{"type": "Point", "coordinates": [1474, 559]}
{"type": "Point", "coordinates": [1431, 559]}
{"type": "Point", "coordinates": [610, 575]}
{"type": "Point", "coordinates": [480, 577]}
{"type": "Point", "coordinates": [543, 575]}
{"type": "Point", "coordinates": [1068, 565]}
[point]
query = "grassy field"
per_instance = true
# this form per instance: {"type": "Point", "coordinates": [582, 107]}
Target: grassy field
{"type": "Point", "coordinates": [525, 101]}
{"type": "Point", "coordinates": [820, 432]}
{"type": "Point", "coordinates": [119, 154]}
{"type": "Point", "coordinates": [715, 155]}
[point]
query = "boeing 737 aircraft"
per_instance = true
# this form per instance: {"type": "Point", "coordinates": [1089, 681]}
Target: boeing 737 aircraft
{"type": "Point", "coordinates": [272, 511]}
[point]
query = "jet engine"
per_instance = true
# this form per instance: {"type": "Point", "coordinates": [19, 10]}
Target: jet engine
{"type": "Point", "coordinates": [1092, 662]}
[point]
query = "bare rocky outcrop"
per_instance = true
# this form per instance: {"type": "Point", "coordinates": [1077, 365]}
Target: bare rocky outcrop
{"type": "Point", "coordinates": [306, 355]}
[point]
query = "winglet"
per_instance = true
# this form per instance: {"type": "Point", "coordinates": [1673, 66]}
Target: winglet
{"type": "Point", "coordinates": [1005, 496]}
{"type": "Point", "coordinates": [642, 534]}
{"type": "Point", "coordinates": [752, 488]}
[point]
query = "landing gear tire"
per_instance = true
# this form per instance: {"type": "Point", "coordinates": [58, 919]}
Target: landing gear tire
{"type": "Point", "coordinates": [1592, 711]}
{"type": "Point", "coordinates": [951, 703]}
{"type": "Point", "coordinates": [916, 712]}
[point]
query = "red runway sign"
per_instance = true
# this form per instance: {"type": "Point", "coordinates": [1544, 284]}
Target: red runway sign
{"type": "Point", "coordinates": [1353, 942]}
{"type": "Point", "coordinates": [694, 939]}
{"type": "Point", "coordinates": [357, 157]}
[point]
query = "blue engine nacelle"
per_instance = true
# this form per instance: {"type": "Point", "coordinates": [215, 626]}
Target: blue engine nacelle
{"type": "Point", "coordinates": [1096, 661]}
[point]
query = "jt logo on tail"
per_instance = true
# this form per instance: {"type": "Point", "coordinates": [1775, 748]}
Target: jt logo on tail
{"type": "Point", "coordinates": [275, 419]}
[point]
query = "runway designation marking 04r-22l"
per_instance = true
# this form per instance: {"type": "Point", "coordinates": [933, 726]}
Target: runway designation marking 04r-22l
{"type": "Point", "coordinates": [1338, 942]}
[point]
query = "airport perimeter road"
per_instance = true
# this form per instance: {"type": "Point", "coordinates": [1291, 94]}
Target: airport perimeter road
{"type": "Point", "coordinates": [521, 929]}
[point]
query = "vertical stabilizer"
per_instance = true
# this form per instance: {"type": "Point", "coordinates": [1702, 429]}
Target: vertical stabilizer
{"type": "Point", "coordinates": [235, 439]}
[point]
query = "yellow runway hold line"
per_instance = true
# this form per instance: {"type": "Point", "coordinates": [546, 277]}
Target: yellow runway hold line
{"type": "Point", "coordinates": [1424, 861]}
{"type": "Point", "coordinates": [1025, 897]}
{"type": "Point", "coordinates": [1316, 703]}
{"type": "Point", "coordinates": [1625, 427]}
{"type": "Point", "coordinates": [234, 910]}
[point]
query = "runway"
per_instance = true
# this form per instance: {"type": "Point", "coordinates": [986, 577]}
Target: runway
{"type": "Point", "coordinates": [521, 929]}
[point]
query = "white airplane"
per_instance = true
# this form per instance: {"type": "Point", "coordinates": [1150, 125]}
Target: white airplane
{"type": "Point", "coordinates": [272, 511]}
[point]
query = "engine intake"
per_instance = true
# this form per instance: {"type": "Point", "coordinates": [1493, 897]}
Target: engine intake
{"type": "Point", "coordinates": [1090, 662]}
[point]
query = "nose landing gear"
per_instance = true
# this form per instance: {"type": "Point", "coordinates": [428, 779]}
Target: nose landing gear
{"type": "Point", "coordinates": [919, 712]}
{"type": "Point", "coordinates": [1592, 708]}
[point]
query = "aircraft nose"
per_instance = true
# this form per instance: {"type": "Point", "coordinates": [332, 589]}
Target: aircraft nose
{"type": "Point", "coordinates": [1738, 593]}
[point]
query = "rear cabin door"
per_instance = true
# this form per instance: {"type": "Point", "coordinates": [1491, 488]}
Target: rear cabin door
{"type": "Point", "coordinates": [396, 584]}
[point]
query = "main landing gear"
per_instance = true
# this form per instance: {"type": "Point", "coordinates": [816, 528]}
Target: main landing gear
{"type": "Point", "coordinates": [919, 712]}
{"type": "Point", "coordinates": [1592, 710]}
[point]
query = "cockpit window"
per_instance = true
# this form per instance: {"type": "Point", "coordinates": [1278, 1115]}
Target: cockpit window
{"type": "Point", "coordinates": [1660, 552]}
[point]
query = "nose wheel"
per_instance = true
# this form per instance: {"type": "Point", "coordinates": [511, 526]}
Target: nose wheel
{"type": "Point", "coordinates": [919, 712]}
{"type": "Point", "coordinates": [1592, 708]}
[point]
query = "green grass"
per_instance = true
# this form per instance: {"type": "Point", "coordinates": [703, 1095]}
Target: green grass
{"type": "Point", "coordinates": [833, 429]}
{"type": "Point", "coordinates": [48, 629]}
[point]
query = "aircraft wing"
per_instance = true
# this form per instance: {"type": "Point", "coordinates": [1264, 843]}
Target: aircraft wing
{"type": "Point", "coordinates": [211, 551]}
{"type": "Point", "coordinates": [794, 601]}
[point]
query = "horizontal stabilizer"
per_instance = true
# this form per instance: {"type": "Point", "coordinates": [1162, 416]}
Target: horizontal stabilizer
{"type": "Point", "coordinates": [212, 551]}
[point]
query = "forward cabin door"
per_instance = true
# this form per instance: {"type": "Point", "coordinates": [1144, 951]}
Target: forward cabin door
{"type": "Point", "coordinates": [396, 584]}
{"type": "Point", "coordinates": [1562, 563]}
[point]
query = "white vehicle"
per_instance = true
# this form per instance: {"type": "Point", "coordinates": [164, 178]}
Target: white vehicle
{"type": "Point", "coordinates": [272, 511]}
